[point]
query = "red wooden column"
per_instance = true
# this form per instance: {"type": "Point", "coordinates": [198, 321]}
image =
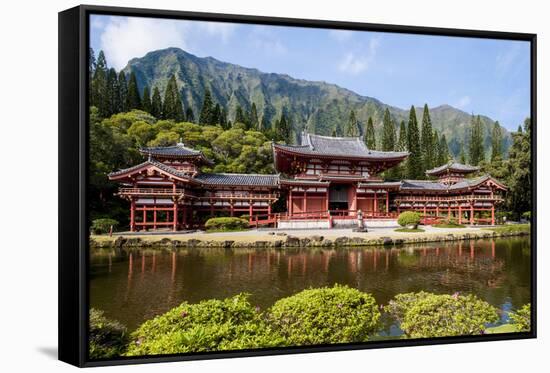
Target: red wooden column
{"type": "Point", "coordinates": [175, 220]}
{"type": "Point", "coordinates": [375, 206]}
{"type": "Point", "coordinates": [250, 208]}
{"type": "Point", "coordinates": [304, 201]}
{"type": "Point", "coordinates": [155, 217]}
{"type": "Point", "coordinates": [132, 215]}
{"type": "Point", "coordinates": [327, 198]}
{"type": "Point", "coordinates": [144, 216]}
{"type": "Point", "coordinates": [471, 213]}
{"type": "Point", "coordinates": [493, 214]}
{"type": "Point", "coordinates": [290, 203]}
{"type": "Point", "coordinates": [459, 213]}
{"type": "Point", "coordinates": [387, 202]}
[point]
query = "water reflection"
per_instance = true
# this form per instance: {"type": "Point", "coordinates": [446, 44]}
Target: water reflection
{"type": "Point", "coordinates": [139, 285]}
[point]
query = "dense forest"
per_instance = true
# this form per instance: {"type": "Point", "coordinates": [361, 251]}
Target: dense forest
{"type": "Point", "coordinates": [124, 118]}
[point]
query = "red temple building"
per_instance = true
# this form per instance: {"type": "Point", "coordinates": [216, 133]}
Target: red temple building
{"type": "Point", "coordinates": [327, 182]}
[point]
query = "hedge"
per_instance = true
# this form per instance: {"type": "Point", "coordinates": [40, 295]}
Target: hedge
{"type": "Point", "coordinates": [521, 319]}
{"type": "Point", "coordinates": [427, 315]}
{"type": "Point", "coordinates": [226, 224]}
{"type": "Point", "coordinates": [107, 338]}
{"type": "Point", "coordinates": [211, 325]}
{"type": "Point", "coordinates": [326, 315]}
{"type": "Point", "coordinates": [102, 226]}
{"type": "Point", "coordinates": [408, 218]}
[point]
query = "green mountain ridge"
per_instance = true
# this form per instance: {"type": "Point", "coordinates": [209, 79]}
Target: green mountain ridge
{"type": "Point", "coordinates": [315, 106]}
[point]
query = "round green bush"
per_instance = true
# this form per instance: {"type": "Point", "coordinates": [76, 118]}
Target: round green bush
{"type": "Point", "coordinates": [325, 315]}
{"type": "Point", "coordinates": [102, 226]}
{"type": "Point", "coordinates": [427, 315]}
{"type": "Point", "coordinates": [408, 218]}
{"type": "Point", "coordinates": [211, 325]}
{"type": "Point", "coordinates": [226, 224]}
{"type": "Point", "coordinates": [521, 319]}
{"type": "Point", "coordinates": [107, 338]}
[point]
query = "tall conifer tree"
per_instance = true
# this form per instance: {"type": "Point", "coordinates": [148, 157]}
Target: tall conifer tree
{"type": "Point", "coordinates": [414, 163]}
{"type": "Point", "coordinates": [427, 144]}
{"type": "Point", "coordinates": [172, 107]}
{"type": "Point", "coordinates": [388, 132]}
{"type": "Point", "coordinates": [402, 142]}
{"type": "Point", "coordinates": [352, 126]}
{"type": "Point", "coordinates": [156, 104]}
{"type": "Point", "coordinates": [476, 151]}
{"type": "Point", "coordinates": [146, 103]}
{"type": "Point", "coordinates": [443, 151]}
{"type": "Point", "coordinates": [254, 121]}
{"type": "Point", "coordinates": [207, 109]}
{"type": "Point", "coordinates": [113, 93]}
{"type": "Point", "coordinates": [496, 142]}
{"type": "Point", "coordinates": [99, 94]}
{"type": "Point", "coordinates": [133, 101]}
{"type": "Point", "coordinates": [370, 136]}
{"type": "Point", "coordinates": [189, 115]}
{"type": "Point", "coordinates": [123, 88]}
{"type": "Point", "coordinates": [239, 115]}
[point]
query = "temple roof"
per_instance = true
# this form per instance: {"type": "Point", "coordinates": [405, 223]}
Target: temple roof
{"type": "Point", "coordinates": [239, 179]}
{"type": "Point", "coordinates": [427, 185]}
{"type": "Point", "coordinates": [452, 167]}
{"type": "Point", "coordinates": [422, 185]}
{"type": "Point", "coordinates": [149, 163]}
{"type": "Point", "coordinates": [178, 151]}
{"type": "Point", "coordinates": [353, 147]}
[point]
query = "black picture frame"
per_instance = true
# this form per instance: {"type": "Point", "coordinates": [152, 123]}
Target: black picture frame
{"type": "Point", "coordinates": [73, 177]}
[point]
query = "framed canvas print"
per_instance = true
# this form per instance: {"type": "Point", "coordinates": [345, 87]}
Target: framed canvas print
{"type": "Point", "coordinates": [234, 186]}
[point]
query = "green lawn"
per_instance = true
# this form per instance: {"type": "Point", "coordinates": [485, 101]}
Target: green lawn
{"type": "Point", "coordinates": [448, 225]}
{"type": "Point", "coordinates": [505, 328]}
{"type": "Point", "coordinates": [417, 230]}
{"type": "Point", "coordinates": [512, 228]}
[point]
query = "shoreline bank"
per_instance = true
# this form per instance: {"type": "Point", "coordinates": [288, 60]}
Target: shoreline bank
{"type": "Point", "coordinates": [297, 239]}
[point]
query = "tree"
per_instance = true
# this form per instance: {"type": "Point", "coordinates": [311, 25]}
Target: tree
{"type": "Point", "coordinates": [518, 167]}
{"type": "Point", "coordinates": [476, 151]}
{"type": "Point", "coordinates": [370, 137]}
{"type": "Point", "coordinates": [99, 95]}
{"type": "Point", "coordinates": [427, 144]}
{"type": "Point", "coordinates": [156, 104]}
{"type": "Point", "coordinates": [462, 156]}
{"type": "Point", "coordinates": [223, 120]}
{"type": "Point", "coordinates": [402, 142]}
{"type": "Point", "coordinates": [496, 142]}
{"type": "Point", "coordinates": [189, 115]}
{"type": "Point", "coordinates": [352, 126]}
{"type": "Point", "coordinates": [172, 106]}
{"type": "Point", "coordinates": [113, 104]}
{"type": "Point", "coordinates": [239, 115]}
{"type": "Point", "coordinates": [207, 109]}
{"type": "Point", "coordinates": [443, 154]}
{"type": "Point", "coordinates": [414, 163]}
{"type": "Point", "coordinates": [123, 88]}
{"type": "Point", "coordinates": [388, 132]}
{"type": "Point", "coordinates": [254, 121]}
{"type": "Point", "coordinates": [283, 129]}
{"type": "Point", "coordinates": [133, 101]}
{"type": "Point", "coordinates": [146, 103]}
{"type": "Point", "coordinates": [91, 69]}
{"type": "Point", "coordinates": [334, 134]}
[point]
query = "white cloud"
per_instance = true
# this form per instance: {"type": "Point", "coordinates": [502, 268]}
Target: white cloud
{"type": "Point", "coordinates": [341, 35]}
{"type": "Point", "coordinates": [463, 102]}
{"type": "Point", "coordinates": [354, 63]}
{"type": "Point", "coordinates": [263, 39]}
{"type": "Point", "coordinates": [124, 38]}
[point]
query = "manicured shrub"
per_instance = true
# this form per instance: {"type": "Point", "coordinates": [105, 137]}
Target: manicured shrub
{"type": "Point", "coordinates": [408, 218]}
{"type": "Point", "coordinates": [521, 319]}
{"type": "Point", "coordinates": [427, 315]}
{"type": "Point", "coordinates": [325, 315]}
{"type": "Point", "coordinates": [211, 325]}
{"type": "Point", "coordinates": [101, 226]}
{"type": "Point", "coordinates": [226, 224]}
{"type": "Point", "coordinates": [107, 338]}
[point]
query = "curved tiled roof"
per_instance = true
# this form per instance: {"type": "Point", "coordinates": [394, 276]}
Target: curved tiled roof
{"type": "Point", "coordinates": [338, 146]}
{"type": "Point", "coordinates": [152, 162]}
{"type": "Point", "coordinates": [422, 185]}
{"type": "Point", "coordinates": [453, 167]}
{"type": "Point", "coordinates": [176, 151]}
{"type": "Point", "coordinates": [239, 179]}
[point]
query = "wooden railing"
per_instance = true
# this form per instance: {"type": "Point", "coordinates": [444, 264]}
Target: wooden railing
{"type": "Point", "coordinates": [152, 191]}
{"type": "Point", "coordinates": [448, 198]}
{"type": "Point", "coordinates": [186, 193]}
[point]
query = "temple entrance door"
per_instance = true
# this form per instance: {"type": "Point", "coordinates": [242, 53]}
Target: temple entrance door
{"type": "Point", "coordinates": [338, 197]}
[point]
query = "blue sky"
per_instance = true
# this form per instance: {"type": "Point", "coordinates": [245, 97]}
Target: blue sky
{"type": "Point", "coordinates": [489, 77]}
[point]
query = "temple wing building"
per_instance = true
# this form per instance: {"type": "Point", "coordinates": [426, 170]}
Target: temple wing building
{"type": "Point", "coordinates": [325, 182]}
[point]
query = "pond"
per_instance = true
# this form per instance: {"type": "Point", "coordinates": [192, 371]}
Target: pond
{"type": "Point", "coordinates": [134, 286]}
